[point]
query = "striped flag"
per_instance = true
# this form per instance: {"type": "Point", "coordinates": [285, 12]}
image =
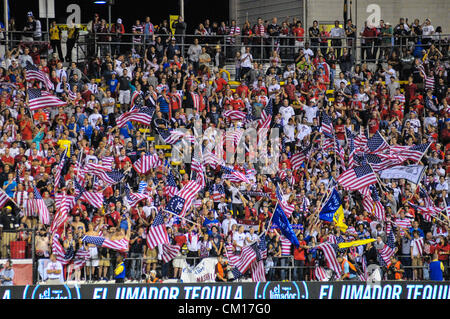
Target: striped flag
{"type": "Point", "coordinates": [32, 72]}
{"type": "Point", "coordinates": [413, 153]}
{"type": "Point", "coordinates": [234, 176]}
{"type": "Point", "coordinates": [134, 198]}
{"type": "Point", "coordinates": [388, 250]}
{"type": "Point", "coordinates": [93, 198]}
{"type": "Point", "coordinates": [351, 148]}
{"type": "Point", "coordinates": [329, 251]}
{"type": "Point", "coordinates": [182, 201]}
{"type": "Point", "coordinates": [169, 252]}
{"type": "Point", "coordinates": [380, 161]}
{"type": "Point", "coordinates": [418, 243]}
{"type": "Point", "coordinates": [320, 273]}
{"type": "Point", "coordinates": [377, 143]}
{"type": "Point", "coordinates": [372, 203]}
{"type": "Point", "coordinates": [146, 163]}
{"type": "Point", "coordinates": [287, 208]}
{"type": "Point", "coordinates": [81, 257]}
{"type": "Point", "coordinates": [171, 187]}
{"type": "Point", "coordinates": [110, 177]}
{"type": "Point", "coordinates": [234, 115]}
{"type": "Point", "coordinates": [157, 233]}
{"type": "Point", "coordinates": [58, 250]}
{"type": "Point", "coordinates": [300, 157]}
{"type": "Point", "coordinates": [114, 244]}
{"type": "Point", "coordinates": [38, 99]}
{"type": "Point", "coordinates": [361, 141]}
{"type": "Point", "coordinates": [4, 198]}
{"type": "Point", "coordinates": [327, 125]}
{"type": "Point", "coordinates": [140, 114]}
{"type": "Point", "coordinates": [357, 178]}
{"type": "Point", "coordinates": [44, 214]}
{"type": "Point", "coordinates": [217, 192]}
{"type": "Point", "coordinates": [266, 115]}
{"type": "Point", "coordinates": [258, 271]}
{"type": "Point", "coordinates": [171, 136]}
{"type": "Point", "coordinates": [429, 210]}
{"type": "Point", "coordinates": [60, 167]}
{"type": "Point", "coordinates": [245, 259]}
{"type": "Point", "coordinates": [61, 216]}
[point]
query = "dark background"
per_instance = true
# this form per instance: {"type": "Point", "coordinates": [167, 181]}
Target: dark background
{"type": "Point", "coordinates": [195, 11]}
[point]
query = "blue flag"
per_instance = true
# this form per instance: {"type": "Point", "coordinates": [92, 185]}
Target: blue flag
{"type": "Point", "coordinates": [333, 211]}
{"type": "Point", "coordinates": [279, 218]}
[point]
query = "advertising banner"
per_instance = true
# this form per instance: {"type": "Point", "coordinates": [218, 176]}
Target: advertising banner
{"type": "Point", "coordinates": [237, 291]}
{"type": "Point", "coordinates": [205, 271]}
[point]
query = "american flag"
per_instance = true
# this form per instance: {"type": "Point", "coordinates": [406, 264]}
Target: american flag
{"type": "Point", "coordinates": [157, 233]}
{"type": "Point", "coordinates": [418, 243]}
{"type": "Point", "coordinates": [232, 138]}
{"type": "Point", "coordinates": [327, 125]}
{"type": "Point", "coordinates": [217, 192]}
{"type": "Point", "coordinates": [110, 177]}
{"type": "Point", "coordinates": [380, 161]}
{"type": "Point", "coordinates": [182, 201]}
{"type": "Point", "coordinates": [320, 273]}
{"type": "Point", "coordinates": [134, 198]}
{"type": "Point", "coordinates": [388, 250]}
{"type": "Point", "coordinates": [147, 162]}
{"type": "Point", "coordinates": [429, 210]}
{"type": "Point", "coordinates": [340, 151]}
{"type": "Point", "coordinates": [258, 271]}
{"type": "Point", "coordinates": [363, 276]}
{"type": "Point", "coordinates": [404, 223]}
{"type": "Point", "coordinates": [81, 257]}
{"type": "Point", "coordinates": [171, 187]}
{"type": "Point", "coordinates": [38, 99]}
{"type": "Point", "coordinates": [62, 199]}
{"type": "Point", "coordinates": [233, 175]}
{"type": "Point", "coordinates": [58, 250]}
{"type": "Point", "coordinates": [44, 214]}
{"type": "Point", "coordinates": [377, 143]}
{"type": "Point", "coordinates": [93, 198]}
{"type": "Point", "coordinates": [211, 159]}
{"type": "Point", "coordinates": [171, 136]}
{"type": "Point", "coordinates": [413, 153]}
{"type": "Point", "coordinates": [107, 162]}
{"type": "Point", "coordinates": [372, 203]}
{"type": "Point", "coordinates": [121, 245]}
{"type": "Point", "coordinates": [60, 167]}
{"type": "Point", "coordinates": [4, 198]}
{"type": "Point", "coordinates": [329, 251]}
{"type": "Point", "coordinates": [245, 259]}
{"type": "Point", "coordinates": [360, 141]}
{"type": "Point", "coordinates": [234, 115]}
{"type": "Point", "coordinates": [32, 72]}
{"type": "Point", "coordinates": [140, 114]}
{"type": "Point", "coordinates": [266, 115]}
{"type": "Point", "coordinates": [287, 208]}
{"type": "Point", "coordinates": [357, 178]}
{"type": "Point", "coordinates": [169, 252]}
{"type": "Point", "coordinates": [300, 157]}
{"type": "Point", "coordinates": [61, 216]}
{"type": "Point", "coordinates": [351, 148]}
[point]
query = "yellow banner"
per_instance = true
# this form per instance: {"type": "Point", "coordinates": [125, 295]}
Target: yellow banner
{"type": "Point", "coordinates": [356, 243]}
{"type": "Point", "coordinates": [172, 19]}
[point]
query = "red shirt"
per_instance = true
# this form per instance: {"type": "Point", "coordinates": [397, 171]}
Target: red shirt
{"type": "Point", "coordinates": [299, 33]}
{"type": "Point", "coordinates": [299, 253]}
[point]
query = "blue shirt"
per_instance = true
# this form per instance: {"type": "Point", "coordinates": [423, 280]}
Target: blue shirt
{"type": "Point", "coordinates": [10, 189]}
{"type": "Point", "coordinates": [113, 85]}
{"type": "Point", "coordinates": [124, 130]}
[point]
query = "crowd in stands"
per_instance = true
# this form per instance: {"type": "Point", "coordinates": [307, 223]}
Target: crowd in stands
{"type": "Point", "coordinates": [401, 93]}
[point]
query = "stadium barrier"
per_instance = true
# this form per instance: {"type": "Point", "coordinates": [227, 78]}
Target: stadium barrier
{"type": "Point", "coordinates": [236, 291]}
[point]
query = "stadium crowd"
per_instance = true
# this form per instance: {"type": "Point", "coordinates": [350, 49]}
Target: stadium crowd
{"type": "Point", "coordinates": [402, 94]}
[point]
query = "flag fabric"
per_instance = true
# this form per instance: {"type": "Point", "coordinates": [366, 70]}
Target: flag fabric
{"type": "Point", "coordinates": [429, 209]}
{"type": "Point", "coordinates": [171, 136]}
{"type": "Point", "coordinates": [360, 141]}
{"type": "Point", "coordinates": [412, 173]}
{"type": "Point", "coordinates": [233, 175]}
{"type": "Point", "coordinates": [140, 114]}
{"type": "Point", "coordinates": [157, 233]}
{"type": "Point", "coordinates": [169, 252]}
{"type": "Point", "coordinates": [93, 198]}
{"type": "Point", "coordinates": [266, 115]}
{"type": "Point", "coordinates": [32, 72]}
{"type": "Point", "coordinates": [245, 259]}
{"type": "Point", "coordinates": [146, 163]}
{"type": "Point", "coordinates": [357, 177]}
{"type": "Point", "coordinates": [38, 99]}
{"type": "Point", "coordinates": [171, 187]}
{"type": "Point", "coordinates": [413, 153]}
{"type": "Point", "coordinates": [60, 167]}
{"type": "Point", "coordinates": [182, 201]}
{"type": "Point", "coordinates": [134, 198]}
{"type": "Point", "coordinates": [121, 245]}
{"type": "Point", "coordinates": [377, 144]}
{"type": "Point", "coordinates": [327, 125]}
{"type": "Point", "coordinates": [418, 243]}
{"type": "Point", "coordinates": [285, 206]}
{"type": "Point", "coordinates": [300, 157]}
{"type": "Point", "coordinates": [234, 115]}
{"type": "Point", "coordinates": [217, 192]}
{"type": "Point", "coordinates": [329, 251]}
{"type": "Point", "coordinates": [372, 203]}
{"type": "Point", "coordinates": [110, 177]}
{"type": "Point", "coordinates": [332, 210]}
{"type": "Point", "coordinates": [4, 198]}
{"type": "Point", "coordinates": [279, 219]}
{"type": "Point", "coordinates": [388, 250]}
{"type": "Point", "coordinates": [351, 148]}
{"type": "Point", "coordinates": [60, 253]}
{"type": "Point", "coordinates": [82, 255]}
{"type": "Point", "coordinates": [42, 210]}
{"type": "Point", "coordinates": [320, 274]}
{"type": "Point", "coordinates": [61, 216]}
{"type": "Point", "coordinates": [258, 271]}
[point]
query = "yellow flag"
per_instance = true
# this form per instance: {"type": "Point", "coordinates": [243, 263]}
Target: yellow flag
{"type": "Point", "coordinates": [356, 243]}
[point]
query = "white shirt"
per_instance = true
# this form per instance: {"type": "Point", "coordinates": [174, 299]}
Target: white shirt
{"type": "Point", "coordinates": [54, 266]}
{"type": "Point", "coordinates": [250, 239]}
{"type": "Point", "coordinates": [289, 131]}
{"type": "Point", "coordinates": [239, 239]}
{"type": "Point", "coordinates": [310, 112]}
{"type": "Point", "coordinates": [227, 224]}
{"type": "Point", "coordinates": [246, 60]}
{"type": "Point", "coordinates": [93, 118]}
{"type": "Point", "coordinates": [286, 113]}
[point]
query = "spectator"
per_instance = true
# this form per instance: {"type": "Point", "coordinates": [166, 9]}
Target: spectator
{"type": "Point", "coordinates": [7, 274]}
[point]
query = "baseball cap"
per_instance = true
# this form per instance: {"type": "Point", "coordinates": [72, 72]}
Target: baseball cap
{"type": "Point", "coordinates": [119, 20]}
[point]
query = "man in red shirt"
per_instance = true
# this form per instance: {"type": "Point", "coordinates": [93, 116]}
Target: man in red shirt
{"type": "Point", "coordinates": [299, 258]}
{"type": "Point", "coordinates": [299, 34]}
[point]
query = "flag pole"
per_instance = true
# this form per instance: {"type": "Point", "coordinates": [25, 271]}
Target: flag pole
{"type": "Point", "coordinates": [426, 150]}
{"type": "Point", "coordinates": [189, 221]}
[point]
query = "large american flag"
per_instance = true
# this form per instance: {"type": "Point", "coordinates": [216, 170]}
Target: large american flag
{"type": "Point", "coordinates": [115, 244]}
{"type": "Point", "coordinates": [38, 99]}
{"type": "Point", "coordinates": [140, 114]}
{"type": "Point", "coordinates": [147, 162]}
{"type": "Point", "coordinates": [372, 203]}
{"type": "Point", "coordinates": [243, 261]}
{"type": "Point", "coordinates": [61, 216]}
{"type": "Point", "coordinates": [171, 187]}
{"type": "Point", "coordinates": [377, 143]}
{"type": "Point", "coordinates": [157, 233]}
{"type": "Point", "coordinates": [357, 178]}
{"type": "Point", "coordinates": [182, 201]}
{"type": "Point", "coordinates": [32, 72]}
{"type": "Point", "coordinates": [329, 251]}
{"type": "Point", "coordinates": [413, 153]}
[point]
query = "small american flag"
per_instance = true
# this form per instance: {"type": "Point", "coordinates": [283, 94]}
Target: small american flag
{"type": "Point", "coordinates": [134, 198]}
{"type": "Point", "coordinates": [61, 216]}
{"type": "Point", "coordinates": [233, 175]}
{"type": "Point", "coordinates": [287, 208]}
{"type": "Point", "coordinates": [320, 274]}
{"type": "Point", "coordinates": [116, 244]}
{"type": "Point", "coordinates": [171, 136]}
{"type": "Point", "coordinates": [234, 115]}
{"type": "Point", "coordinates": [329, 251]}
{"type": "Point", "coordinates": [388, 250]}
{"type": "Point", "coordinates": [357, 178]}
{"type": "Point", "coordinates": [140, 114]}
{"type": "Point", "coordinates": [32, 72]}
{"type": "Point", "coordinates": [4, 198]}
{"type": "Point", "coordinates": [266, 115]}
{"type": "Point", "coordinates": [58, 250]}
{"type": "Point", "coordinates": [157, 233]}
{"type": "Point", "coordinates": [171, 187]}
{"type": "Point", "coordinates": [371, 202]}
{"type": "Point", "coordinates": [182, 201]}
{"type": "Point", "coordinates": [93, 198]}
{"type": "Point", "coordinates": [146, 163]}
{"type": "Point", "coordinates": [327, 125]}
{"type": "Point", "coordinates": [217, 192]}
{"type": "Point", "coordinates": [44, 214]}
{"type": "Point", "coordinates": [169, 252]}
{"type": "Point", "coordinates": [60, 167]}
{"type": "Point", "coordinates": [41, 99]}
